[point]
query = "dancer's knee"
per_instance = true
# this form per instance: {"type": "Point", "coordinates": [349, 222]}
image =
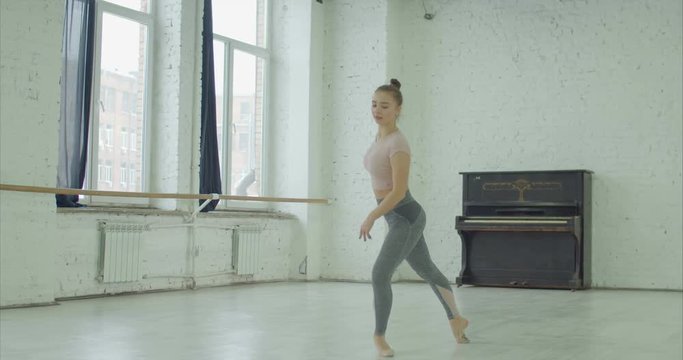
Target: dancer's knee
{"type": "Point", "coordinates": [380, 276]}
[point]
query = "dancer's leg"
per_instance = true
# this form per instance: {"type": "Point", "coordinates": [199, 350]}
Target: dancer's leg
{"type": "Point", "coordinates": [420, 260]}
{"type": "Point", "coordinates": [404, 231]}
{"type": "Point", "coordinates": [393, 252]}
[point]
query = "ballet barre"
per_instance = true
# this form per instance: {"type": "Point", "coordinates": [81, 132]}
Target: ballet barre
{"type": "Point", "coordinates": [208, 197]}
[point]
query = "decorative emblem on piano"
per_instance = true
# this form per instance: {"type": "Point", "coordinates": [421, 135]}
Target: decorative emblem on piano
{"type": "Point", "coordinates": [521, 185]}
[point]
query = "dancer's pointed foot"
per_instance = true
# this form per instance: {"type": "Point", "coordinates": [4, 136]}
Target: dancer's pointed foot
{"type": "Point", "coordinates": [458, 326]}
{"type": "Point", "coordinates": [383, 347]}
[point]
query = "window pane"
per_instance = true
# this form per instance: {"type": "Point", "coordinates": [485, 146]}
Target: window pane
{"type": "Point", "coordinates": [122, 87]}
{"type": "Point", "coordinates": [134, 142]}
{"type": "Point", "coordinates": [247, 129]}
{"type": "Point", "coordinates": [108, 136]}
{"type": "Point", "coordinates": [242, 20]}
{"type": "Point", "coordinates": [139, 5]}
{"type": "Point", "coordinates": [123, 175]}
{"type": "Point", "coordinates": [124, 139]}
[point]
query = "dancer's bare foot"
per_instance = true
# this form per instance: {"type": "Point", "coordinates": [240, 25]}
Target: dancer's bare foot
{"type": "Point", "coordinates": [382, 347]}
{"type": "Point", "coordinates": [458, 326]}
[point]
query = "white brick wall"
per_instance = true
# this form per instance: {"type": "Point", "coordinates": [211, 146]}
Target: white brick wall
{"type": "Point", "coordinates": [29, 113]}
{"type": "Point", "coordinates": [488, 85]}
{"type": "Point", "coordinates": [165, 120]}
{"type": "Point", "coordinates": [354, 65]}
{"type": "Point", "coordinates": [167, 253]}
{"type": "Point", "coordinates": [499, 85]}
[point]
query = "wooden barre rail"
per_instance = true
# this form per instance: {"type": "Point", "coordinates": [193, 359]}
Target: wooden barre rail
{"type": "Point", "coordinates": [64, 191]}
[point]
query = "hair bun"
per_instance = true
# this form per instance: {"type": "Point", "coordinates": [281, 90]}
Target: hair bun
{"type": "Point", "coordinates": [395, 83]}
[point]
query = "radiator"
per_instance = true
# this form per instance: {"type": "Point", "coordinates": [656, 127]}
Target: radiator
{"type": "Point", "coordinates": [120, 252]}
{"type": "Point", "coordinates": [246, 249]}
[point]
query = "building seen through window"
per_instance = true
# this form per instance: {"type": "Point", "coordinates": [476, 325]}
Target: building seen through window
{"type": "Point", "coordinates": [121, 86]}
{"type": "Point", "coordinates": [241, 60]}
{"type": "Point", "coordinates": [119, 120]}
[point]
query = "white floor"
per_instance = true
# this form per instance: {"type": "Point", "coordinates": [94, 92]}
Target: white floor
{"type": "Point", "coordinates": [319, 321]}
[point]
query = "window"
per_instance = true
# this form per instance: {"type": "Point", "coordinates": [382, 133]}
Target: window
{"type": "Point", "coordinates": [242, 20]}
{"type": "Point", "coordinates": [100, 171]}
{"type": "Point", "coordinates": [124, 139]}
{"type": "Point", "coordinates": [129, 102]}
{"type": "Point", "coordinates": [139, 5]}
{"type": "Point", "coordinates": [104, 175]}
{"type": "Point", "coordinates": [123, 175]}
{"type": "Point", "coordinates": [243, 142]}
{"type": "Point", "coordinates": [245, 108]}
{"type": "Point", "coordinates": [241, 60]}
{"type": "Point", "coordinates": [121, 82]}
{"type": "Point", "coordinates": [133, 141]}
{"type": "Point", "coordinates": [108, 102]}
{"type": "Point", "coordinates": [108, 136]}
{"type": "Point", "coordinates": [132, 176]}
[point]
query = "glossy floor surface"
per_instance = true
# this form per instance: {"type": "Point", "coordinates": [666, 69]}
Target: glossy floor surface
{"type": "Point", "coordinates": [334, 320]}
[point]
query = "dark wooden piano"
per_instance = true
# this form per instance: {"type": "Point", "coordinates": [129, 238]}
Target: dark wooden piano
{"type": "Point", "coordinates": [526, 229]}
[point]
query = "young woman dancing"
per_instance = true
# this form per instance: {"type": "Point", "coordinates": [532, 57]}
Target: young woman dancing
{"type": "Point", "coordinates": [388, 162]}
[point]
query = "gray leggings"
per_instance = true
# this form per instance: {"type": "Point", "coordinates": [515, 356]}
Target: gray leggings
{"type": "Point", "coordinates": [404, 241]}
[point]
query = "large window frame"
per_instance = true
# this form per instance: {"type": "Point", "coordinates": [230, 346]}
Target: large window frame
{"type": "Point", "coordinates": [230, 46]}
{"type": "Point", "coordinates": [143, 18]}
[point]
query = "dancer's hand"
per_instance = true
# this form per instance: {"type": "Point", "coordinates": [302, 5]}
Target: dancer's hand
{"type": "Point", "coordinates": [365, 228]}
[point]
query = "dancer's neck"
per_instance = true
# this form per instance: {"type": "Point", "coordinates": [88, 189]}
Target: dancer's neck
{"type": "Point", "coordinates": [386, 130]}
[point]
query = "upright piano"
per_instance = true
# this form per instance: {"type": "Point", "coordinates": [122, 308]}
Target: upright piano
{"type": "Point", "coordinates": [526, 229]}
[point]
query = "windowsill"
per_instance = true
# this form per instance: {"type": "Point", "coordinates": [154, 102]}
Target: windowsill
{"type": "Point", "coordinates": [132, 210]}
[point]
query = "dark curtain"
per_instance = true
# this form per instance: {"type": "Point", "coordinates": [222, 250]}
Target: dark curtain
{"type": "Point", "coordinates": [209, 166]}
{"type": "Point", "coordinates": [76, 93]}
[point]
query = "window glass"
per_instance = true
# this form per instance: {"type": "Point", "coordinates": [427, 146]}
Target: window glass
{"type": "Point", "coordinates": [247, 111]}
{"type": "Point", "coordinates": [139, 5]}
{"type": "Point", "coordinates": [219, 74]}
{"type": "Point", "coordinates": [240, 20]}
{"type": "Point", "coordinates": [124, 139]}
{"type": "Point", "coordinates": [240, 89]}
{"type": "Point", "coordinates": [122, 88]}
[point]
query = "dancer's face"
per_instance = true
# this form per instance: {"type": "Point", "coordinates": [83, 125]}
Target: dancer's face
{"type": "Point", "coordinates": [385, 109]}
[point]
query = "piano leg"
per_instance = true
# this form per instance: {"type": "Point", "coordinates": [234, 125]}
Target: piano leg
{"type": "Point", "coordinates": [462, 278]}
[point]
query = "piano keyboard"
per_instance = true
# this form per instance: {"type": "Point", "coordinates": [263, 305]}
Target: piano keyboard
{"type": "Point", "coordinates": [517, 224]}
{"type": "Point", "coordinates": [515, 221]}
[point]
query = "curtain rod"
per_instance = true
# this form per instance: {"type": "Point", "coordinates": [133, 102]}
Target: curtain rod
{"type": "Point", "coordinates": [65, 191]}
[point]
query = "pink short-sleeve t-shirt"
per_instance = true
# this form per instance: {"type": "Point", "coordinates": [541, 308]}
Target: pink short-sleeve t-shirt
{"type": "Point", "coordinates": [376, 160]}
